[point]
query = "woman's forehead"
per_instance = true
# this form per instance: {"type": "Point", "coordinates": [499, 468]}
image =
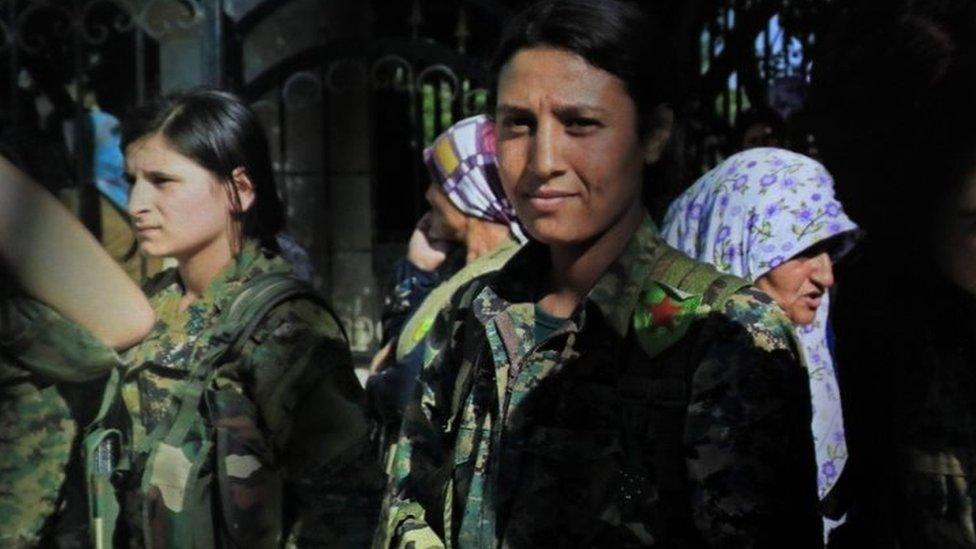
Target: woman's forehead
{"type": "Point", "coordinates": [155, 153]}
{"type": "Point", "coordinates": [557, 76]}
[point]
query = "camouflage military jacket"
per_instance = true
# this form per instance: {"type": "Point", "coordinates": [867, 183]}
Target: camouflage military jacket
{"type": "Point", "coordinates": [540, 453]}
{"type": "Point", "coordinates": [38, 349]}
{"type": "Point", "coordinates": [306, 424]}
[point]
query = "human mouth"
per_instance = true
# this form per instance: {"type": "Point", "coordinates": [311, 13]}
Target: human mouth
{"type": "Point", "coordinates": [144, 231]}
{"type": "Point", "coordinates": [547, 200]}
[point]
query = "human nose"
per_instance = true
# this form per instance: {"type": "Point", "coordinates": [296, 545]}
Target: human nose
{"type": "Point", "coordinates": [823, 272]}
{"type": "Point", "coordinates": [139, 198]}
{"type": "Point", "coordinates": [545, 150]}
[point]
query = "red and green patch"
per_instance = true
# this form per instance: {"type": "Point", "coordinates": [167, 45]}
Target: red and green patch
{"type": "Point", "coordinates": [662, 317]}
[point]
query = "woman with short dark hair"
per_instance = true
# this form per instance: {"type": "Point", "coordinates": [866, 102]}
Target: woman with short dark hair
{"type": "Point", "coordinates": [240, 416]}
{"type": "Point", "coordinates": [601, 389]}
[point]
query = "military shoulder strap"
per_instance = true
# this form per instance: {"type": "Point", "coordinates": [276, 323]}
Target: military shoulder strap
{"type": "Point", "coordinates": [678, 291]}
{"type": "Point", "coordinates": [695, 277]}
{"type": "Point", "coordinates": [258, 298]}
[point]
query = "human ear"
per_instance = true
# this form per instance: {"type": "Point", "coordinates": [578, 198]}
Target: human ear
{"type": "Point", "coordinates": [244, 187]}
{"type": "Point", "coordinates": [659, 132]}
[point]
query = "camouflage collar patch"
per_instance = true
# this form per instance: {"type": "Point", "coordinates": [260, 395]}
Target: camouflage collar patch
{"type": "Point", "coordinates": [250, 262]}
{"type": "Point", "coordinates": [487, 304]}
{"type": "Point", "coordinates": [663, 316]}
{"type": "Point", "coordinates": [615, 293]}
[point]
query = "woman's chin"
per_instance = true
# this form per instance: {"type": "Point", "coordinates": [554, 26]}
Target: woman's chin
{"type": "Point", "coordinates": [802, 318]}
{"type": "Point", "coordinates": [557, 236]}
{"type": "Point", "coordinates": [150, 250]}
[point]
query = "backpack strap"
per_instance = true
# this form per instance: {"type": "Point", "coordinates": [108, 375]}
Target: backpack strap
{"type": "Point", "coordinates": [465, 374]}
{"type": "Point", "coordinates": [235, 327]}
{"type": "Point", "coordinates": [258, 298]}
{"type": "Point", "coordinates": [102, 449]}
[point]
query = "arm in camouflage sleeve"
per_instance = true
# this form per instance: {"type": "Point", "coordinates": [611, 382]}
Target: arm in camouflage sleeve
{"type": "Point", "coordinates": [88, 287]}
{"type": "Point", "coordinates": [413, 506]}
{"type": "Point", "coordinates": [751, 466]}
{"type": "Point", "coordinates": [46, 345]}
{"type": "Point", "coordinates": [305, 431]}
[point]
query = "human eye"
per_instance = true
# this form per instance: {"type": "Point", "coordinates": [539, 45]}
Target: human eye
{"type": "Point", "coordinates": [582, 125]}
{"type": "Point", "coordinates": [517, 123]}
{"type": "Point", "coordinates": [160, 180]}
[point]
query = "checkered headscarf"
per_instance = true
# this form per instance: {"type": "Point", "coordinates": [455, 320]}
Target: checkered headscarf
{"type": "Point", "coordinates": [462, 161]}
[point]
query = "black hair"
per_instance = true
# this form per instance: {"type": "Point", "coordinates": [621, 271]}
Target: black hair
{"type": "Point", "coordinates": [612, 35]}
{"type": "Point", "coordinates": [218, 131]}
{"type": "Point", "coordinates": [893, 97]}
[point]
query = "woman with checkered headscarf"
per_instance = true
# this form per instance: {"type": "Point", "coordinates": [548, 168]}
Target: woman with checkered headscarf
{"type": "Point", "coordinates": [470, 229]}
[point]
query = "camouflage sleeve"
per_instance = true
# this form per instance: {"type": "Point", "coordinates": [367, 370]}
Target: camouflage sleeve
{"type": "Point", "coordinates": [747, 436]}
{"type": "Point", "coordinates": [412, 514]}
{"type": "Point", "coordinates": [308, 424]}
{"type": "Point", "coordinates": [47, 345]}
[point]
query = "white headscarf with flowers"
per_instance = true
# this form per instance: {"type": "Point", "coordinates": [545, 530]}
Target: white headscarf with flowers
{"type": "Point", "coordinates": [752, 212]}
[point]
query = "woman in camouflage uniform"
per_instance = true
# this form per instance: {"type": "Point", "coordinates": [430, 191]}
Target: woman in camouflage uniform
{"type": "Point", "coordinates": [283, 453]}
{"type": "Point", "coordinates": [43, 353]}
{"type": "Point", "coordinates": [601, 389]}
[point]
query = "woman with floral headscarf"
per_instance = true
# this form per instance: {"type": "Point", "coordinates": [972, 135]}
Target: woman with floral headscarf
{"type": "Point", "coordinates": [770, 216]}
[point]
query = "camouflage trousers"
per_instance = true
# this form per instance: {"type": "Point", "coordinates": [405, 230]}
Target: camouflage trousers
{"type": "Point", "coordinates": [36, 434]}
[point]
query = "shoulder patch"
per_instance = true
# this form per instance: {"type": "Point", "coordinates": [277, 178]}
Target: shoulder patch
{"type": "Point", "coordinates": [663, 315]}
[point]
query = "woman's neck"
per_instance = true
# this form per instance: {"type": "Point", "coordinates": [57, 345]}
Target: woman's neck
{"type": "Point", "coordinates": [199, 270]}
{"type": "Point", "coordinates": [577, 268]}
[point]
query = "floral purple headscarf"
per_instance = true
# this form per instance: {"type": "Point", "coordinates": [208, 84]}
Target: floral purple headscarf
{"type": "Point", "coordinates": [462, 161]}
{"type": "Point", "coordinates": [752, 212]}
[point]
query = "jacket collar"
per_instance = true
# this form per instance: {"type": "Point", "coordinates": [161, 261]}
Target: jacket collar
{"type": "Point", "coordinates": [250, 262]}
{"type": "Point", "coordinates": [522, 280]}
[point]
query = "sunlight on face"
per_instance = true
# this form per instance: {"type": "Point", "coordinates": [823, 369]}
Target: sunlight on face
{"type": "Point", "coordinates": [569, 154]}
{"type": "Point", "coordinates": [178, 207]}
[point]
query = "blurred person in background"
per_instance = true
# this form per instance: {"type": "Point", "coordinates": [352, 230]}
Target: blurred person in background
{"type": "Point", "coordinates": [471, 229]}
{"type": "Point", "coordinates": [894, 95]}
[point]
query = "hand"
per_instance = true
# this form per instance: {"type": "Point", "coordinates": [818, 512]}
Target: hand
{"type": "Point", "coordinates": [425, 252]}
{"type": "Point", "coordinates": [379, 361]}
{"type": "Point", "coordinates": [483, 237]}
